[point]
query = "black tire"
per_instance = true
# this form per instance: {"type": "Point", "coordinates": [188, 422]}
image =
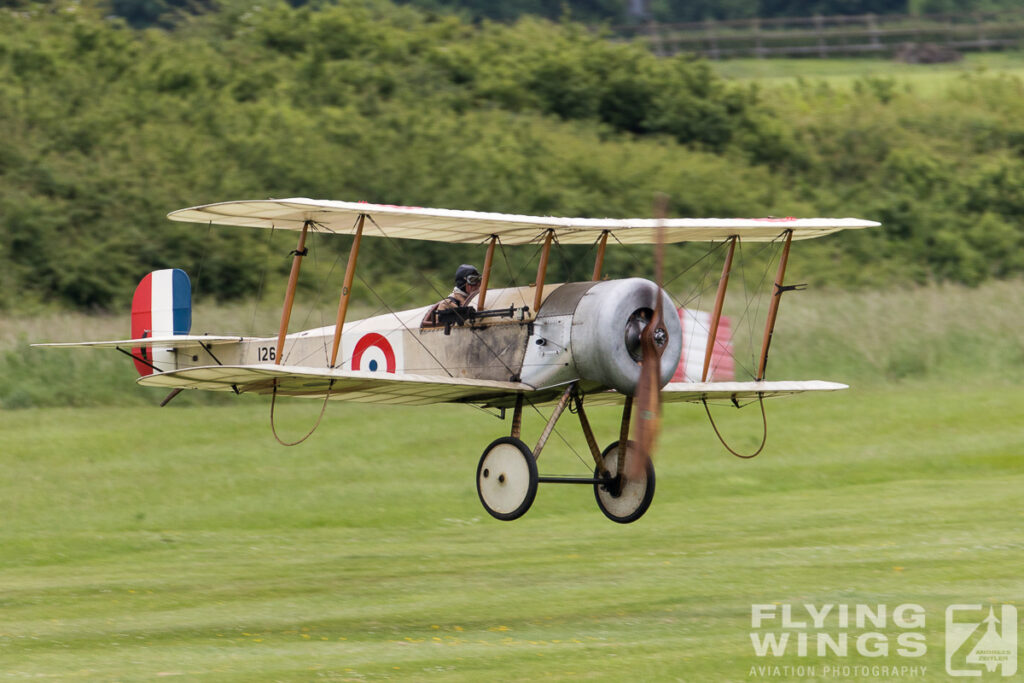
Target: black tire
{"type": "Point", "coordinates": [506, 478]}
{"type": "Point", "coordinates": [634, 497]}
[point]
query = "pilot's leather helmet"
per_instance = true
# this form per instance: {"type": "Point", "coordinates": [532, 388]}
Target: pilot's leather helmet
{"type": "Point", "coordinates": [466, 274]}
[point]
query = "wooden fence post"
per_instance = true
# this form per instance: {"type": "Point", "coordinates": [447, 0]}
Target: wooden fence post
{"type": "Point", "coordinates": [819, 29]}
{"type": "Point", "coordinates": [876, 45]}
{"type": "Point", "coordinates": [709, 30]}
{"type": "Point", "coordinates": [654, 34]}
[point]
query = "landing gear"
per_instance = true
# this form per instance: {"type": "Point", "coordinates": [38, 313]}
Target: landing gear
{"type": "Point", "coordinates": [506, 478]}
{"type": "Point", "coordinates": [621, 499]}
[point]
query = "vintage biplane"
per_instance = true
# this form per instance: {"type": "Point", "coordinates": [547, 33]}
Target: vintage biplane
{"type": "Point", "coordinates": [597, 342]}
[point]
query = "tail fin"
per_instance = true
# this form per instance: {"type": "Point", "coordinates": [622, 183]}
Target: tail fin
{"type": "Point", "coordinates": [162, 306]}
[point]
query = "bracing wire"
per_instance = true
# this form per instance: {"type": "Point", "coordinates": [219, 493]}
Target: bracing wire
{"type": "Point", "coordinates": [715, 247]}
{"type": "Point", "coordinates": [477, 336]}
{"type": "Point", "coordinates": [749, 319]}
{"type": "Point", "coordinates": [202, 260]}
{"type": "Point", "coordinates": [405, 327]}
{"type": "Point", "coordinates": [402, 323]}
{"type": "Point", "coordinates": [320, 290]}
{"type": "Point", "coordinates": [565, 265]}
{"type": "Point", "coordinates": [558, 433]}
{"type": "Point", "coordinates": [563, 256]}
{"type": "Point", "coordinates": [681, 304]}
{"type": "Point", "coordinates": [516, 277]}
{"type": "Point", "coordinates": [263, 278]}
{"type": "Point", "coordinates": [745, 317]}
{"type": "Point", "coordinates": [755, 299]}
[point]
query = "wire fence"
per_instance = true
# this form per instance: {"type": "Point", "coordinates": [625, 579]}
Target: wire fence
{"type": "Point", "coordinates": [829, 36]}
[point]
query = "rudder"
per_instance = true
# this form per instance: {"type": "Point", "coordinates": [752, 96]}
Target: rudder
{"type": "Point", "coordinates": [161, 306]}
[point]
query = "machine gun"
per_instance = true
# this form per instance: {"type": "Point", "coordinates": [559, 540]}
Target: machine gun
{"type": "Point", "coordinates": [461, 315]}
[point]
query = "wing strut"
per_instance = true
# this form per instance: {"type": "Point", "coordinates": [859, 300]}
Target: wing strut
{"type": "Point", "coordinates": [773, 309]}
{"type": "Point", "coordinates": [289, 295]}
{"type": "Point", "coordinates": [486, 278]}
{"type": "Point", "coordinates": [599, 259]}
{"type": "Point", "coordinates": [542, 269]}
{"type": "Point", "coordinates": [346, 289]}
{"type": "Point", "coordinates": [719, 301]}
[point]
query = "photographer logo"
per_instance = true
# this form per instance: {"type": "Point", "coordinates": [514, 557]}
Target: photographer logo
{"type": "Point", "coordinates": [977, 643]}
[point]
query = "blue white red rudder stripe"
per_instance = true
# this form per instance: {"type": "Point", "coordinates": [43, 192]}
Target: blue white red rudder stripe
{"type": "Point", "coordinates": [161, 307]}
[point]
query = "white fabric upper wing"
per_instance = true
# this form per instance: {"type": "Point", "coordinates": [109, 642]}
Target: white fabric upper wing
{"type": "Point", "coordinates": [446, 225]}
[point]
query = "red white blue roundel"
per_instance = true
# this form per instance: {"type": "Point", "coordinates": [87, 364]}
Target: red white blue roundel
{"type": "Point", "coordinates": [374, 353]}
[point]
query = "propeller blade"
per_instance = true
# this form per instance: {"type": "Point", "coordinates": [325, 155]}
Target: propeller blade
{"type": "Point", "coordinates": [647, 403]}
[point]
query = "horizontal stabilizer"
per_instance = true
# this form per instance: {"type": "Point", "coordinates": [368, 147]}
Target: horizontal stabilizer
{"type": "Point", "coordinates": [177, 341]}
{"type": "Point", "coordinates": [343, 385]}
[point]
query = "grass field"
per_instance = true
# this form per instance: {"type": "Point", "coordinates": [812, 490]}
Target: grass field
{"type": "Point", "coordinates": [922, 79]}
{"type": "Point", "coordinates": [142, 543]}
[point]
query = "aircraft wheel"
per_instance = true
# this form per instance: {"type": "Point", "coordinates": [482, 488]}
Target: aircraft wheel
{"type": "Point", "coordinates": [627, 501]}
{"type": "Point", "coordinates": [506, 478]}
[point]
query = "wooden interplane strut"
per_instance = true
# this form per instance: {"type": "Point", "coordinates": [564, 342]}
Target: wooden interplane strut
{"type": "Point", "coordinates": [542, 269]}
{"type": "Point", "coordinates": [599, 260]}
{"type": "Point", "coordinates": [716, 315]}
{"type": "Point", "coordinates": [485, 278]}
{"type": "Point", "coordinates": [346, 289]}
{"type": "Point", "coordinates": [289, 295]}
{"type": "Point", "coordinates": [773, 309]}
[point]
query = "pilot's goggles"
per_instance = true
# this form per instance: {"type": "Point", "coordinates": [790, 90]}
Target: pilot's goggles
{"type": "Point", "coordinates": [472, 279]}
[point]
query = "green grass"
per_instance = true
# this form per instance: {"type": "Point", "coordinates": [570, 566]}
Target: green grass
{"type": "Point", "coordinates": [921, 79]}
{"type": "Point", "coordinates": [138, 542]}
{"type": "Point", "coordinates": [141, 543]}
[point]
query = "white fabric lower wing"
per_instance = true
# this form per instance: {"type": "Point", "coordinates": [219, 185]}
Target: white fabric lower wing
{"type": "Point", "coordinates": [343, 385]}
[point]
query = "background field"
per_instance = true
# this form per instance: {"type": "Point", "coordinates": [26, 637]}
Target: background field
{"type": "Point", "coordinates": [141, 542]}
{"type": "Point", "coordinates": [923, 79]}
{"type": "Point", "coordinates": [145, 542]}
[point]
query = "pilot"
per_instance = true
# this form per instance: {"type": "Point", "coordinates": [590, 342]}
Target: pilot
{"type": "Point", "coordinates": [467, 284]}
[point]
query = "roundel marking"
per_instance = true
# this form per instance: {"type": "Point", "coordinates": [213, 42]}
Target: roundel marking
{"type": "Point", "coordinates": [371, 340]}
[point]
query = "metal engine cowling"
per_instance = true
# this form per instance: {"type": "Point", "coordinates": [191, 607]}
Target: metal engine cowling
{"type": "Point", "coordinates": [606, 329]}
{"type": "Point", "coordinates": [600, 323]}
